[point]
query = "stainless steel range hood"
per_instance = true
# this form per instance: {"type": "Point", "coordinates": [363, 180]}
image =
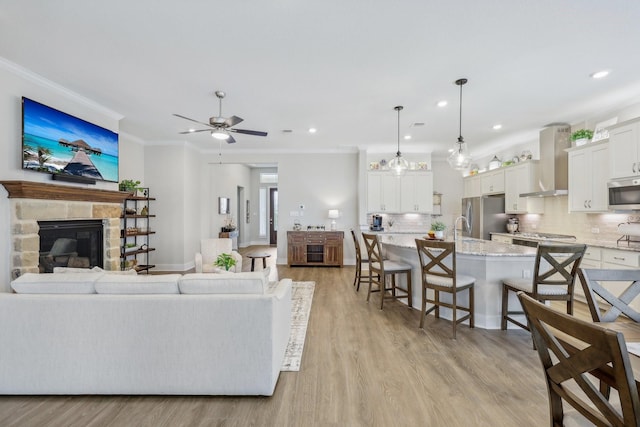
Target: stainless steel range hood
{"type": "Point", "coordinates": [554, 161]}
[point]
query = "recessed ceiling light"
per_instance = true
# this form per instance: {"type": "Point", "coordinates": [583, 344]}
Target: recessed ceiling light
{"type": "Point", "coordinates": [599, 74]}
{"type": "Point", "coordinates": [442, 103]}
{"type": "Point", "coordinates": [497, 127]}
{"type": "Point", "coordinates": [407, 137]}
{"type": "Point", "coordinates": [313, 130]}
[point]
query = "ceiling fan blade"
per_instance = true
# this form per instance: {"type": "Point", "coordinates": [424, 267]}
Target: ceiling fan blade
{"type": "Point", "coordinates": [230, 140]}
{"type": "Point", "coordinates": [191, 120]}
{"type": "Point", "coordinates": [233, 120]}
{"type": "Point", "coordinates": [249, 132]}
{"type": "Point", "coordinates": [194, 131]}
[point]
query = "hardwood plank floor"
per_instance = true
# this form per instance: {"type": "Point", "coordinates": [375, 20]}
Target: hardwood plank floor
{"type": "Point", "coordinates": [361, 367]}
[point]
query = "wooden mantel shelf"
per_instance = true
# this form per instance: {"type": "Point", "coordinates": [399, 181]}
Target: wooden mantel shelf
{"type": "Point", "coordinates": [39, 190]}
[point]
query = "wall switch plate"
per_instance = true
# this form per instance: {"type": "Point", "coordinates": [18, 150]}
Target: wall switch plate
{"type": "Point", "coordinates": [294, 213]}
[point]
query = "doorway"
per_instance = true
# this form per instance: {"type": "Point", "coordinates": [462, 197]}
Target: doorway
{"type": "Point", "coordinates": [273, 216]}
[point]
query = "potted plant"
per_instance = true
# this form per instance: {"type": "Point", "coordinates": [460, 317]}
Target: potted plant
{"type": "Point", "coordinates": [225, 261]}
{"type": "Point", "coordinates": [438, 228]}
{"type": "Point", "coordinates": [581, 136]}
{"type": "Point", "coordinates": [129, 185]}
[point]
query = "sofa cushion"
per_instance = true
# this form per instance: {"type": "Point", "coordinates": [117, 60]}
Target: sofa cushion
{"type": "Point", "coordinates": [138, 284]}
{"type": "Point", "coordinates": [223, 283]}
{"type": "Point", "coordinates": [77, 270]}
{"type": "Point", "coordinates": [59, 283]}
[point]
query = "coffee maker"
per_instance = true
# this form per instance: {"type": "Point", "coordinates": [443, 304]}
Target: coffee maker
{"type": "Point", "coordinates": [376, 223]}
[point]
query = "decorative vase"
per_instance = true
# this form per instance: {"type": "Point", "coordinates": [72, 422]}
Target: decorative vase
{"type": "Point", "coordinates": [581, 141]}
{"type": "Point", "coordinates": [439, 234]}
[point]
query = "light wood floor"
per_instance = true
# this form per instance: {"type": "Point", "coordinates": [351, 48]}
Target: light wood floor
{"type": "Point", "coordinates": [361, 367]}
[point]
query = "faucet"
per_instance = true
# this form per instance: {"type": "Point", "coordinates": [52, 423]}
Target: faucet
{"type": "Point", "coordinates": [455, 226]}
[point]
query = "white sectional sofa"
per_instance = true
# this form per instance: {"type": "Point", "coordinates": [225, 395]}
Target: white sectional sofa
{"type": "Point", "coordinates": [101, 333]}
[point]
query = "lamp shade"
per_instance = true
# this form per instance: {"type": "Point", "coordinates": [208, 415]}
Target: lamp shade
{"type": "Point", "coordinates": [334, 213]}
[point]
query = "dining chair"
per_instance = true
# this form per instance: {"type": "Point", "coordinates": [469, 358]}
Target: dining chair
{"type": "Point", "coordinates": [383, 272]}
{"type": "Point", "coordinates": [554, 275]}
{"type": "Point", "coordinates": [575, 356]}
{"type": "Point", "coordinates": [592, 283]}
{"type": "Point", "coordinates": [362, 263]}
{"type": "Point", "coordinates": [438, 273]}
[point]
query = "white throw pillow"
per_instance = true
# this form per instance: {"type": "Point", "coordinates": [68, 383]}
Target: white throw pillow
{"type": "Point", "coordinates": [95, 269]}
{"type": "Point", "coordinates": [138, 284]}
{"type": "Point", "coordinates": [59, 283]}
{"type": "Point", "coordinates": [223, 283]}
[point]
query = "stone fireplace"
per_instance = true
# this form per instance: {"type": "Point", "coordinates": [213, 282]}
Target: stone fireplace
{"type": "Point", "coordinates": [31, 202]}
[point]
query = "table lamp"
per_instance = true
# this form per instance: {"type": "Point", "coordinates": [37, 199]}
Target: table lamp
{"type": "Point", "coordinates": [333, 214]}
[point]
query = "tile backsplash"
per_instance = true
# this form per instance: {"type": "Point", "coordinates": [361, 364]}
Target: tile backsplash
{"type": "Point", "coordinates": [585, 226]}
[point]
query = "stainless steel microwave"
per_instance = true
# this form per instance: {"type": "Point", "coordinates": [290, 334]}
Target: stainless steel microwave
{"type": "Point", "coordinates": [624, 194]}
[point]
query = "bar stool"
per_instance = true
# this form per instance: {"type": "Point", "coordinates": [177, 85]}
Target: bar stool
{"type": "Point", "coordinates": [554, 276]}
{"type": "Point", "coordinates": [362, 263]}
{"type": "Point", "coordinates": [380, 268]}
{"type": "Point", "coordinates": [438, 272]}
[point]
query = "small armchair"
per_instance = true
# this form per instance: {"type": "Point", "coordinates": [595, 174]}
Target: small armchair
{"type": "Point", "coordinates": [209, 251]}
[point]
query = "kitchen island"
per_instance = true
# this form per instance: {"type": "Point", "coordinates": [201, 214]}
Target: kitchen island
{"type": "Point", "coordinates": [489, 262]}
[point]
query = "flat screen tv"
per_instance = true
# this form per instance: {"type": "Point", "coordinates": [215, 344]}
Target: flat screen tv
{"type": "Point", "coordinates": [58, 143]}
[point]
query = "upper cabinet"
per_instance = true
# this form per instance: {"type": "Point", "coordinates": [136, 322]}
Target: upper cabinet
{"type": "Point", "coordinates": [520, 179]}
{"type": "Point", "coordinates": [412, 192]}
{"type": "Point", "coordinates": [472, 186]}
{"type": "Point", "coordinates": [624, 150]}
{"type": "Point", "coordinates": [492, 182]}
{"type": "Point", "coordinates": [588, 175]}
{"type": "Point", "coordinates": [416, 192]}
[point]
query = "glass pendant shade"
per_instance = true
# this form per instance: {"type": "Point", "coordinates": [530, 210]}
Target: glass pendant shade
{"type": "Point", "coordinates": [398, 165]}
{"type": "Point", "coordinates": [460, 159]}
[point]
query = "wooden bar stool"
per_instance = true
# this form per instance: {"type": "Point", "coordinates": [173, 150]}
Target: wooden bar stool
{"type": "Point", "coordinates": [554, 276]}
{"type": "Point", "coordinates": [362, 263]}
{"type": "Point", "coordinates": [379, 269]}
{"type": "Point", "coordinates": [438, 272]}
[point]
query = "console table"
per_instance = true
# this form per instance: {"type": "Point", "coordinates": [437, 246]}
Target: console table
{"type": "Point", "coordinates": [315, 248]}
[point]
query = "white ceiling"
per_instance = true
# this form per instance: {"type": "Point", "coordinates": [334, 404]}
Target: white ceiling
{"type": "Point", "coordinates": [337, 65]}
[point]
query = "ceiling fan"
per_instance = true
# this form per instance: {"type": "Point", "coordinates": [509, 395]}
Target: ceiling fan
{"type": "Point", "coordinates": [220, 127]}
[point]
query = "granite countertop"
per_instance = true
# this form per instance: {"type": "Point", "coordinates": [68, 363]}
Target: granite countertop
{"type": "Point", "coordinates": [464, 245]}
{"type": "Point", "coordinates": [606, 244]}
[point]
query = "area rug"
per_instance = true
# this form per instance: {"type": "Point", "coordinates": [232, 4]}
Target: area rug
{"type": "Point", "coordinates": [301, 298]}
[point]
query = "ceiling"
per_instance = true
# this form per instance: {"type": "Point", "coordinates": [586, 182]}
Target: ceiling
{"type": "Point", "coordinates": [339, 66]}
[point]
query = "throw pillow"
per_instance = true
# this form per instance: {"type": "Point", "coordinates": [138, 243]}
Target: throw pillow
{"type": "Point", "coordinates": [223, 283]}
{"type": "Point", "coordinates": [138, 284]}
{"type": "Point", "coordinates": [59, 283]}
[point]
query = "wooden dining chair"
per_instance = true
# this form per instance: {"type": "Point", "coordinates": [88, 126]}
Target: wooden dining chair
{"type": "Point", "coordinates": [576, 355]}
{"type": "Point", "coordinates": [592, 283]}
{"type": "Point", "coordinates": [383, 272]}
{"type": "Point", "coordinates": [438, 273]}
{"type": "Point", "coordinates": [554, 275]}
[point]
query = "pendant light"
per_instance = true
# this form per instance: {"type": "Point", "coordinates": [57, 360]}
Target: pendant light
{"type": "Point", "coordinates": [460, 158]}
{"type": "Point", "coordinates": [398, 165]}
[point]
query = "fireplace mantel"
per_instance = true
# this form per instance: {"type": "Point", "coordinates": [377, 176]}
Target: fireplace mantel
{"type": "Point", "coordinates": [39, 190]}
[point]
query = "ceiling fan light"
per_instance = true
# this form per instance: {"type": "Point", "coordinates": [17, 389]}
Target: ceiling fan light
{"type": "Point", "coordinates": [219, 134]}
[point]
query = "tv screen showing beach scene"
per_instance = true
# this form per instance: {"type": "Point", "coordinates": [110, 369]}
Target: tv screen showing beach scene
{"type": "Point", "coordinates": [58, 143]}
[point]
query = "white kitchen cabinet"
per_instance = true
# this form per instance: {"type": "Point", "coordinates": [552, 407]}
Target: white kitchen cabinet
{"type": "Point", "coordinates": [501, 238]}
{"type": "Point", "coordinates": [492, 182]}
{"type": "Point", "coordinates": [624, 150]}
{"type": "Point", "coordinates": [383, 192]}
{"type": "Point", "coordinates": [416, 192]}
{"type": "Point", "coordinates": [472, 186]}
{"type": "Point", "coordinates": [617, 259]}
{"type": "Point", "coordinates": [520, 179]}
{"type": "Point", "coordinates": [592, 259]}
{"type": "Point", "coordinates": [412, 192]}
{"type": "Point", "coordinates": [588, 176]}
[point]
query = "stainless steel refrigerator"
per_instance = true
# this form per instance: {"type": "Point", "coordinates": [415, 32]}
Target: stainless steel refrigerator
{"type": "Point", "coordinates": [485, 215]}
